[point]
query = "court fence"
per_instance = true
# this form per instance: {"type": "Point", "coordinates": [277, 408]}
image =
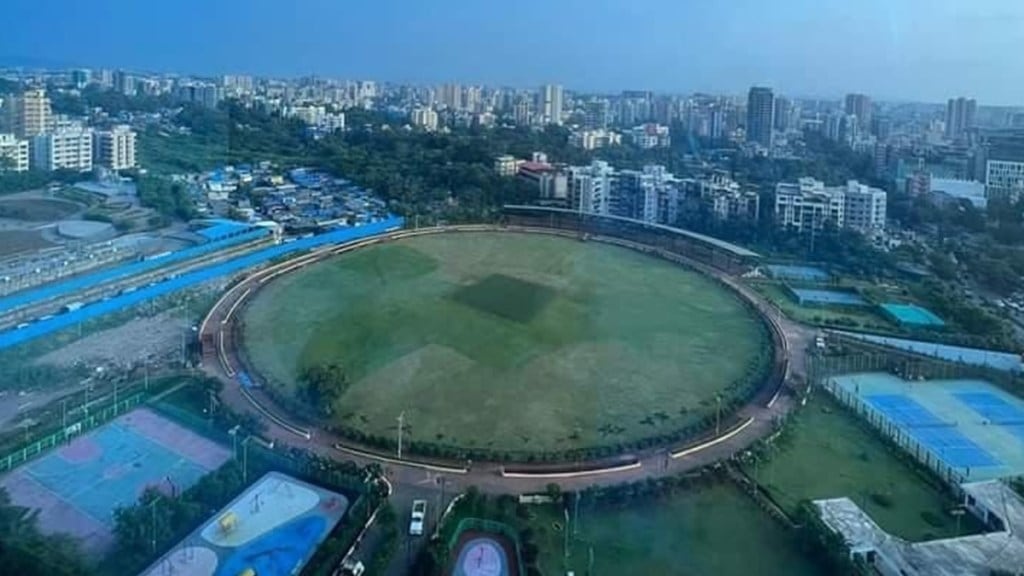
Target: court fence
{"type": "Point", "coordinates": [489, 527]}
{"type": "Point", "coordinates": [823, 369]}
{"type": "Point", "coordinates": [69, 431]}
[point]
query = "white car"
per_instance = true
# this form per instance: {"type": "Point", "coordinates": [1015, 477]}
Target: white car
{"type": "Point", "coordinates": [419, 515]}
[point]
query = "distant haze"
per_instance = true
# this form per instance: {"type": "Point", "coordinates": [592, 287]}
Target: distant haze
{"type": "Point", "coordinates": [925, 50]}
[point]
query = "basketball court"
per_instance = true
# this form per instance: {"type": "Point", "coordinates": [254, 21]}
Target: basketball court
{"type": "Point", "coordinates": [77, 487]}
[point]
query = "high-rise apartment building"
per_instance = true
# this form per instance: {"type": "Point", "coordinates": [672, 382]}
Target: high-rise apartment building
{"type": "Point", "coordinates": [29, 114]}
{"type": "Point", "coordinates": [590, 187]}
{"type": "Point", "coordinates": [760, 116]}
{"type": "Point", "coordinates": [959, 116]}
{"type": "Point", "coordinates": [809, 205]}
{"type": "Point", "coordinates": [551, 103]}
{"type": "Point", "coordinates": [451, 96]}
{"type": "Point", "coordinates": [115, 148]}
{"type": "Point", "coordinates": [425, 118]}
{"type": "Point", "coordinates": [859, 105]}
{"type": "Point", "coordinates": [13, 153]}
{"type": "Point", "coordinates": [595, 114]}
{"type": "Point", "coordinates": [782, 113]}
{"type": "Point", "coordinates": [68, 147]}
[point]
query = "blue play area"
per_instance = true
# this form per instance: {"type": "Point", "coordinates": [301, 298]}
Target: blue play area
{"type": "Point", "coordinates": [938, 436]}
{"type": "Point", "coordinates": [811, 296]}
{"type": "Point", "coordinates": [110, 468]}
{"type": "Point", "coordinates": [276, 553]}
{"type": "Point", "coordinates": [795, 272]}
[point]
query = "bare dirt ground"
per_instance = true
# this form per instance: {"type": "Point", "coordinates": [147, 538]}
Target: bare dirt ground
{"type": "Point", "coordinates": [123, 345]}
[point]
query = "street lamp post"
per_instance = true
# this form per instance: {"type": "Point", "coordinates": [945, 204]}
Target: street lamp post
{"type": "Point", "coordinates": [401, 423]}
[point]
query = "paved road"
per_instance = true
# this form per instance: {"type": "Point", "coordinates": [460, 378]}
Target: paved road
{"type": "Point", "coordinates": [412, 482]}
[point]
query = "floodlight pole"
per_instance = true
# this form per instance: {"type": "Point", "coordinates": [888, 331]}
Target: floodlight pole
{"type": "Point", "coordinates": [401, 423]}
{"type": "Point", "coordinates": [718, 414]}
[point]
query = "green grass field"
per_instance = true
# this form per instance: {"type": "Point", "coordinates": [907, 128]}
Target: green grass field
{"type": "Point", "coordinates": [708, 530]}
{"type": "Point", "coordinates": [829, 454]}
{"type": "Point", "coordinates": [507, 341]}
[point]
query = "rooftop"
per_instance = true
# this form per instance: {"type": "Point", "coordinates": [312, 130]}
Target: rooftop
{"type": "Point", "coordinates": [964, 556]}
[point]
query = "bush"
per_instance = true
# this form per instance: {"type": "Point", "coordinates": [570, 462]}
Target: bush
{"type": "Point", "coordinates": [882, 500]}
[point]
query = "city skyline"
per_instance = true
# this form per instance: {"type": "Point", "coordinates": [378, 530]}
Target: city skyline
{"type": "Point", "coordinates": [722, 49]}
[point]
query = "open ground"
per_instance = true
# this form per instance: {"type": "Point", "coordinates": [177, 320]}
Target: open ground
{"type": "Point", "coordinates": [828, 453]}
{"type": "Point", "coordinates": [508, 341]}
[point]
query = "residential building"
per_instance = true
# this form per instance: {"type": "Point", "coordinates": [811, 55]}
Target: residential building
{"type": "Point", "coordinates": [451, 96]}
{"type": "Point", "coordinates": [115, 148]}
{"type": "Point", "coordinates": [808, 205]}
{"type": "Point", "coordinates": [68, 148]}
{"type": "Point", "coordinates": [864, 208]}
{"type": "Point", "coordinates": [760, 115]}
{"type": "Point", "coordinates": [124, 83]}
{"type": "Point", "coordinates": [551, 103]}
{"type": "Point", "coordinates": [639, 194]}
{"type": "Point", "coordinates": [522, 114]}
{"type": "Point", "coordinates": [80, 78]}
{"type": "Point", "coordinates": [721, 197]}
{"type": "Point", "coordinates": [506, 165]}
{"type": "Point", "coordinates": [596, 114]}
{"type": "Point", "coordinates": [859, 105]}
{"type": "Point", "coordinates": [29, 114]}
{"type": "Point", "coordinates": [782, 115]}
{"type": "Point", "coordinates": [649, 136]}
{"type": "Point", "coordinates": [13, 153]}
{"type": "Point", "coordinates": [590, 187]}
{"type": "Point", "coordinates": [552, 182]}
{"type": "Point", "coordinates": [208, 95]}
{"type": "Point", "coordinates": [425, 118]}
{"type": "Point", "coordinates": [1004, 179]}
{"type": "Point", "coordinates": [960, 114]}
{"type": "Point", "coordinates": [593, 139]}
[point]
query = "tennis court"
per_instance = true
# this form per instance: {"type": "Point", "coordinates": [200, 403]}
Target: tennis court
{"type": "Point", "coordinates": [796, 272]}
{"type": "Point", "coordinates": [970, 427]}
{"type": "Point", "coordinates": [813, 297]}
{"type": "Point", "coordinates": [912, 316]}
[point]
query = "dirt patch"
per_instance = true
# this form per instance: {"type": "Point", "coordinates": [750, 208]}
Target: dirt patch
{"type": "Point", "coordinates": [154, 337]}
{"type": "Point", "coordinates": [15, 241]}
{"type": "Point", "coordinates": [37, 209]}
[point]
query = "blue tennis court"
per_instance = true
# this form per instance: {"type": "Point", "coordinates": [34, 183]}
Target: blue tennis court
{"type": "Point", "coordinates": [796, 272]}
{"type": "Point", "coordinates": [911, 315]}
{"type": "Point", "coordinates": [992, 407]}
{"type": "Point", "coordinates": [940, 437]}
{"type": "Point", "coordinates": [834, 297]}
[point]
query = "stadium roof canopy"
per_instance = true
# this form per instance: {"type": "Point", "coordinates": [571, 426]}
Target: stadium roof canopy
{"type": "Point", "coordinates": [715, 242]}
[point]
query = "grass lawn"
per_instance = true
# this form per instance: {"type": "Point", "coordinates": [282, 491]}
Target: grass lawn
{"type": "Point", "coordinates": [829, 454]}
{"type": "Point", "coordinates": [706, 530]}
{"type": "Point", "coordinates": [819, 315]}
{"type": "Point", "coordinates": [508, 341]}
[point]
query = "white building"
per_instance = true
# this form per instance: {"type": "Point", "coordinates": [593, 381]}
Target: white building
{"type": "Point", "coordinates": [864, 208]}
{"type": "Point", "coordinates": [722, 197]}
{"type": "Point", "coordinates": [13, 153]}
{"type": "Point", "coordinates": [425, 118]}
{"type": "Point", "coordinates": [590, 187]}
{"type": "Point", "coordinates": [593, 139]}
{"type": "Point", "coordinates": [506, 165]}
{"type": "Point", "coordinates": [29, 115]}
{"type": "Point", "coordinates": [649, 136]}
{"type": "Point", "coordinates": [115, 148]}
{"type": "Point", "coordinates": [551, 103]}
{"type": "Point", "coordinates": [809, 205]}
{"type": "Point", "coordinates": [1004, 179]}
{"type": "Point", "coordinates": [66, 148]}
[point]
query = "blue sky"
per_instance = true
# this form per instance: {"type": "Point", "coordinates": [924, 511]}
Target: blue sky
{"type": "Point", "coordinates": [892, 49]}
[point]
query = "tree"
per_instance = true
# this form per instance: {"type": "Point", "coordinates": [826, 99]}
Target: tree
{"type": "Point", "coordinates": [27, 552]}
{"type": "Point", "coordinates": [323, 384]}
